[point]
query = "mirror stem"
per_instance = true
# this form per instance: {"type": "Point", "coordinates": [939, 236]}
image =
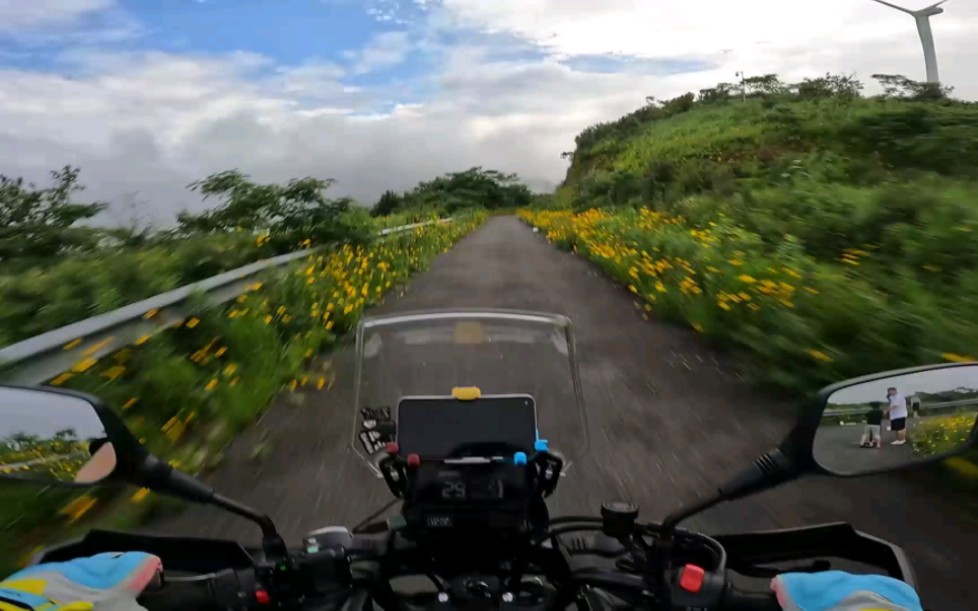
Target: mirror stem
{"type": "Point", "coordinates": [159, 475]}
{"type": "Point", "coordinates": [769, 470]}
{"type": "Point", "coordinates": [272, 542]}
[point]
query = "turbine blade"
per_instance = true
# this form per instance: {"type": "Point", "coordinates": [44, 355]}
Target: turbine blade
{"type": "Point", "coordinates": [899, 8]}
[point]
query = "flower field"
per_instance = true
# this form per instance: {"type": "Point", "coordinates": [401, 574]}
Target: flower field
{"type": "Point", "coordinates": [185, 391]}
{"type": "Point", "coordinates": [807, 322]}
{"type": "Point", "coordinates": [943, 433]}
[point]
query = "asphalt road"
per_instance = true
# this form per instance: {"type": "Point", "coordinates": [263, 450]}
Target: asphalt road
{"type": "Point", "coordinates": [837, 448]}
{"type": "Point", "coordinates": [670, 420]}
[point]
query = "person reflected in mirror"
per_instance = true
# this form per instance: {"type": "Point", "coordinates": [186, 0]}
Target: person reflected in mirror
{"type": "Point", "coordinates": [914, 406]}
{"type": "Point", "coordinates": [897, 412]}
{"type": "Point", "coordinates": [101, 464]}
{"type": "Point", "coordinates": [871, 432]}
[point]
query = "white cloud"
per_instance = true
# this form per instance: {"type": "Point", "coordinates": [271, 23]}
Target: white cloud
{"type": "Point", "coordinates": [20, 14]}
{"type": "Point", "coordinates": [33, 24]}
{"type": "Point", "coordinates": [153, 122]}
{"type": "Point", "coordinates": [387, 49]}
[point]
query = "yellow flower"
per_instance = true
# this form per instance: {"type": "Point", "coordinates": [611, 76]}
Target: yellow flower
{"type": "Point", "coordinates": [818, 355]}
{"type": "Point", "coordinates": [114, 372]}
{"type": "Point", "coordinates": [84, 365]}
{"type": "Point", "coordinates": [746, 279]}
{"type": "Point", "coordinates": [78, 507]}
{"type": "Point", "coordinates": [211, 385]}
{"type": "Point", "coordinates": [61, 379]}
{"type": "Point", "coordinates": [957, 358]}
{"type": "Point", "coordinates": [193, 322]}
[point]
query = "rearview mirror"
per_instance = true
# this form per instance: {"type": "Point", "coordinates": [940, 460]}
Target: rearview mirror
{"type": "Point", "coordinates": [896, 420]}
{"type": "Point", "coordinates": [52, 437]}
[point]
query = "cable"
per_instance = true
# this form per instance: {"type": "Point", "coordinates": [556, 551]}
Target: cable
{"type": "Point", "coordinates": [374, 515]}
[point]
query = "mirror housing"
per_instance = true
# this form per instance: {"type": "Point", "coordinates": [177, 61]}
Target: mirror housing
{"type": "Point", "coordinates": [932, 409]}
{"type": "Point", "coordinates": [795, 456]}
{"type": "Point", "coordinates": [47, 435]}
{"type": "Point", "coordinates": [135, 465]}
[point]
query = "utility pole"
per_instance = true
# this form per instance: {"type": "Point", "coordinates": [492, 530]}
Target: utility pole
{"type": "Point", "coordinates": [743, 86]}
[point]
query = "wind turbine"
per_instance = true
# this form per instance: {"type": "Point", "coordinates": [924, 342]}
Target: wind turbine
{"type": "Point", "coordinates": [922, 17]}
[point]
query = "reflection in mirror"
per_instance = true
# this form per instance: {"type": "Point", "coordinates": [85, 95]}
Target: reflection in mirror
{"type": "Point", "coordinates": [49, 437]}
{"type": "Point", "coordinates": [897, 421]}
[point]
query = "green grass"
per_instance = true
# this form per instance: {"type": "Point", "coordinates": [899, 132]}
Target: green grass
{"type": "Point", "coordinates": [828, 238]}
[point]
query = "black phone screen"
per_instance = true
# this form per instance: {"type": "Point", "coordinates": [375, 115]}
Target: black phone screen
{"type": "Point", "coordinates": [434, 427]}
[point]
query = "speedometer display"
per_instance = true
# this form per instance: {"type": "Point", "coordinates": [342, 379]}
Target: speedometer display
{"type": "Point", "coordinates": [473, 489]}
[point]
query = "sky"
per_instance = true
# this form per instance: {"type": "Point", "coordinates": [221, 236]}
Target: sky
{"type": "Point", "coordinates": [934, 381]}
{"type": "Point", "coordinates": [146, 96]}
{"type": "Point", "coordinates": [43, 414]}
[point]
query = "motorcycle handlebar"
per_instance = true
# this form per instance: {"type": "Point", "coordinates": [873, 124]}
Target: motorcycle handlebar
{"type": "Point", "coordinates": [740, 600]}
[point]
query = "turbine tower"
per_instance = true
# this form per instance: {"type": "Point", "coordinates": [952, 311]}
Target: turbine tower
{"type": "Point", "coordinates": [922, 17]}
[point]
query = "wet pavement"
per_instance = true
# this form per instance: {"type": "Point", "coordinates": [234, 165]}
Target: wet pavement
{"type": "Point", "coordinates": [669, 420]}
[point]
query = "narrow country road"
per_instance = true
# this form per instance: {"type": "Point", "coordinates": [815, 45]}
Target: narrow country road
{"type": "Point", "coordinates": [669, 418]}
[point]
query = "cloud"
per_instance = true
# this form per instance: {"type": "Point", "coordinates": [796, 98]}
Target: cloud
{"type": "Point", "coordinates": [33, 24]}
{"type": "Point", "coordinates": [19, 15]}
{"type": "Point", "coordinates": [386, 50]}
{"type": "Point", "coordinates": [508, 84]}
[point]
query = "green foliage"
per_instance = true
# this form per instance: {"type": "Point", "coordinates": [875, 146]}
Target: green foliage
{"type": "Point", "coordinates": [474, 188]}
{"type": "Point", "coordinates": [38, 224]}
{"type": "Point", "coordinates": [869, 202]}
{"type": "Point", "coordinates": [40, 291]}
{"type": "Point", "coordinates": [297, 209]}
{"type": "Point", "coordinates": [187, 390]}
{"type": "Point", "coordinates": [387, 204]}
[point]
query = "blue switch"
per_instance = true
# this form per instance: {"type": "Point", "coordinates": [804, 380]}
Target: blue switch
{"type": "Point", "coordinates": [519, 458]}
{"type": "Point", "coordinates": [541, 445]}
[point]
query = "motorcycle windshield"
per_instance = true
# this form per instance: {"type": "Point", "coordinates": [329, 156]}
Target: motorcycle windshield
{"type": "Point", "coordinates": [511, 355]}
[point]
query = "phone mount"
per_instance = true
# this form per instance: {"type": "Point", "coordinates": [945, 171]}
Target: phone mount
{"type": "Point", "coordinates": [542, 467]}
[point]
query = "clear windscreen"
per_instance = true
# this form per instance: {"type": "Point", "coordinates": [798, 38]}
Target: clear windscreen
{"type": "Point", "coordinates": [428, 354]}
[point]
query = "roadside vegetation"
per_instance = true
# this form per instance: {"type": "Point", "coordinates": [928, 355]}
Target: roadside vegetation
{"type": "Point", "coordinates": [828, 233]}
{"type": "Point", "coordinates": [186, 391]}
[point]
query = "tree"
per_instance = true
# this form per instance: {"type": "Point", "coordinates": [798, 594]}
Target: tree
{"type": "Point", "coordinates": [388, 203]}
{"type": "Point", "coordinates": [897, 86]}
{"type": "Point", "coordinates": [716, 95]}
{"type": "Point", "coordinates": [40, 223]}
{"type": "Point", "coordinates": [766, 85]}
{"type": "Point", "coordinates": [472, 188]}
{"type": "Point", "coordinates": [291, 212]}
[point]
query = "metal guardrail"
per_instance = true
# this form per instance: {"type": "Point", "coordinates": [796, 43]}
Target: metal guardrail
{"type": "Point", "coordinates": [78, 345]}
{"type": "Point", "coordinates": [924, 407]}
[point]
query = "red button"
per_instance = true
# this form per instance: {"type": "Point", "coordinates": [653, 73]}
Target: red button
{"type": "Point", "coordinates": [413, 460]}
{"type": "Point", "coordinates": [262, 597]}
{"type": "Point", "coordinates": [393, 448]}
{"type": "Point", "coordinates": [691, 578]}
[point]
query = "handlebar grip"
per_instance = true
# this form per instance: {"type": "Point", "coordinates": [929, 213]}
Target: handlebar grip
{"type": "Point", "coordinates": [179, 595]}
{"type": "Point", "coordinates": [739, 600]}
{"type": "Point", "coordinates": [222, 590]}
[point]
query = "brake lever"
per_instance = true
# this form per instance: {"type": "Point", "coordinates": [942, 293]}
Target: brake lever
{"type": "Point", "coordinates": [817, 566]}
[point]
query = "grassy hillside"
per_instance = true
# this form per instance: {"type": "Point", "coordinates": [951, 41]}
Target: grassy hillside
{"type": "Point", "coordinates": [855, 217]}
{"type": "Point", "coordinates": [829, 234]}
